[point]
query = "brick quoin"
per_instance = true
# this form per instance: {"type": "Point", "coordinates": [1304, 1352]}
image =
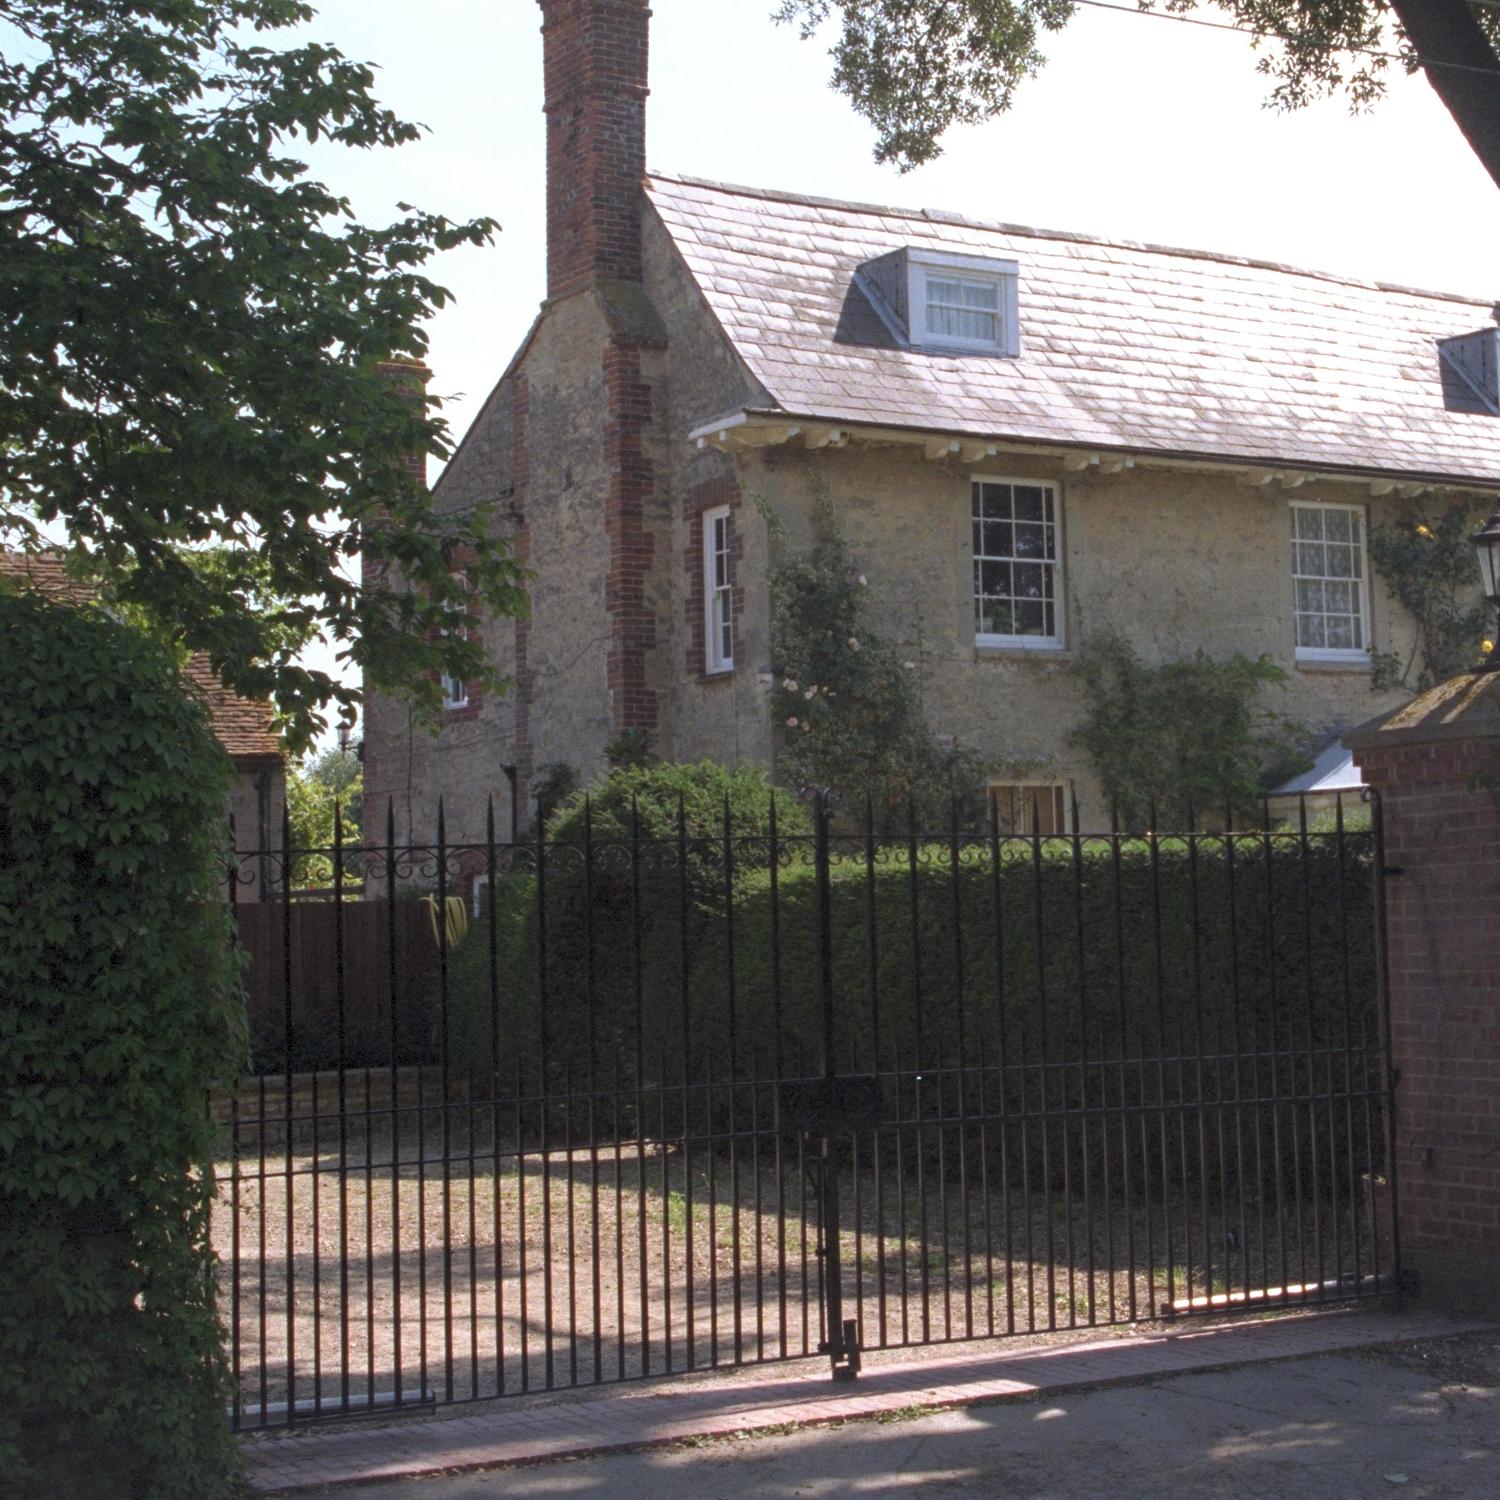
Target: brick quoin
{"type": "Point", "coordinates": [631, 484]}
{"type": "Point", "coordinates": [594, 61]}
{"type": "Point", "coordinates": [1436, 766]}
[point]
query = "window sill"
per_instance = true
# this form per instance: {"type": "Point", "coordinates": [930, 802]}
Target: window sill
{"type": "Point", "coordinates": [718, 674]}
{"type": "Point", "coordinates": [1018, 651]}
{"type": "Point", "coordinates": [1334, 664]}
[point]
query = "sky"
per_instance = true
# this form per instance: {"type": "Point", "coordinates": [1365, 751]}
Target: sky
{"type": "Point", "coordinates": [1137, 128]}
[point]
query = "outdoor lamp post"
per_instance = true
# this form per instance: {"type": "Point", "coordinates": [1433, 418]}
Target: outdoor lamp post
{"type": "Point", "coordinates": [1487, 544]}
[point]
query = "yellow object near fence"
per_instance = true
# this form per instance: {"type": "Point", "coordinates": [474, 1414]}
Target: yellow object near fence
{"type": "Point", "coordinates": [456, 917]}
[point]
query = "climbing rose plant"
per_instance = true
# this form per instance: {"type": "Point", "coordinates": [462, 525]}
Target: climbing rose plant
{"type": "Point", "coordinates": [845, 701]}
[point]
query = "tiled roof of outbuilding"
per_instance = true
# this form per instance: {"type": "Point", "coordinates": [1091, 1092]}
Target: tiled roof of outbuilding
{"type": "Point", "coordinates": [241, 725]}
{"type": "Point", "coordinates": [1123, 346]}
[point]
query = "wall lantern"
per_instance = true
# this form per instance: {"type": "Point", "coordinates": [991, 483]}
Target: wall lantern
{"type": "Point", "coordinates": [1487, 544]}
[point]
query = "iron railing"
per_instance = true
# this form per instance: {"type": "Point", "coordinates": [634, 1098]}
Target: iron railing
{"type": "Point", "coordinates": [690, 1097]}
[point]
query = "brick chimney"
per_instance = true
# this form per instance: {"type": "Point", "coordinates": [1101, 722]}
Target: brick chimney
{"type": "Point", "coordinates": [594, 64]}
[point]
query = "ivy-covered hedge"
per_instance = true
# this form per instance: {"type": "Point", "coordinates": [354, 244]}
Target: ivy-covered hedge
{"type": "Point", "coordinates": [120, 1009]}
{"type": "Point", "coordinates": [1076, 960]}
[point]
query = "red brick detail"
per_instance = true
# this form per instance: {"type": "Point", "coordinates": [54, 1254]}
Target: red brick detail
{"type": "Point", "coordinates": [1442, 834]}
{"type": "Point", "coordinates": [627, 415]}
{"type": "Point", "coordinates": [525, 677]}
{"type": "Point", "coordinates": [594, 68]}
{"type": "Point", "coordinates": [710, 495]}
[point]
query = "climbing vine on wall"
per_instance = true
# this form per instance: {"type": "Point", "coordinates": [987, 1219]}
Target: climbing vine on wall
{"type": "Point", "coordinates": [845, 700]}
{"type": "Point", "coordinates": [1427, 561]}
{"type": "Point", "coordinates": [1194, 733]}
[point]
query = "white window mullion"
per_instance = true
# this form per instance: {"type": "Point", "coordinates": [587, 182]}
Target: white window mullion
{"type": "Point", "coordinates": [718, 591]}
{"type": "Point", "coordinates": [1017, 561]}
{"type": "Point", "coordinates": [1330, 582]}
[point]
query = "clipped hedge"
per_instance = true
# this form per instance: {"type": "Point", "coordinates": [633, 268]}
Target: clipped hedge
{"type": "Point", "coordinates": [120, 1009]}
{"type": "Point", "coordinates": [1156, 952]}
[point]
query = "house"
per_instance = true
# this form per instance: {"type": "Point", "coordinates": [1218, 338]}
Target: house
{"type": "Point", "coordinates": [241, 725]}
{"type": "Point", "coordinates": [1028, 434]}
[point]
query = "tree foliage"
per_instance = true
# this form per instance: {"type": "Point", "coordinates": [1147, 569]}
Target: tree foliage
{"type": "Point", "coordinates": [193, 338]}
{"type": "Point", "coordinates": [913, 68]}
{"type": "Point", "coordinates": [121, 1008]}
{"type": "Point", "coordinates": [334, 778]}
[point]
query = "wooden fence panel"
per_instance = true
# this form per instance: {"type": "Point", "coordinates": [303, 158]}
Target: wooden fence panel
{"type": "Point", "coordinates": [386, 973]}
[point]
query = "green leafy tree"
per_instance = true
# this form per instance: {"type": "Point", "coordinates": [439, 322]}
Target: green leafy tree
{"type": "Point", "coordinates": [333, 778]}
{"type": "Point", "coordinates": [913, 68]}
{"type": "Point", "coordinates": [193, 342]}
{"type": "Point", "coordinates": [845, 701]}
{"type": "Point", "coordinates": [1189, 734]}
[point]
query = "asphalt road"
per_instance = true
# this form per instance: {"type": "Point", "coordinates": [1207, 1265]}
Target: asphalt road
{"type": "Point", "coordinates": [1419, 1423]}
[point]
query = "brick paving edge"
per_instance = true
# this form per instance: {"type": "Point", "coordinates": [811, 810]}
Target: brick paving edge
{"type": "Point", "coordinates": [753, 1427]}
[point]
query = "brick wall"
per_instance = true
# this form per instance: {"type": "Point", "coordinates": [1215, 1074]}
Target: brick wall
{"type": "Point", "coordinates": [594, 65]}
{"type": "Point", "coordinates": [1442, 841]}
{"type": "Point", "coordinates": [632, 483]}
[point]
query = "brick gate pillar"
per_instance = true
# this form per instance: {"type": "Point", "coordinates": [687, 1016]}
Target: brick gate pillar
{"type": "Point", "coordinates": [1436, 765]}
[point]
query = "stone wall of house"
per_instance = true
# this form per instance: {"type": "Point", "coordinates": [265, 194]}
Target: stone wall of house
{"type": "Point", "coordinates": [719, 715]}
{"type": "Point", "coordinates": [567, 480]}
{"type": "Point", "coordinates": [1176, 562]}
{"type": "Point", "coordinates": [407, 766]}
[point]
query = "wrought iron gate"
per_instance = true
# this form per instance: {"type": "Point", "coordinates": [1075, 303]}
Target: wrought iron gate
{"type": "Point", "coordinates": [644, 1098]}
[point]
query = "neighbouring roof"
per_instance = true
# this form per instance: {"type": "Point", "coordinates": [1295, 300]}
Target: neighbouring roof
{"type": "Point", "coordinates": [241, 725]}
{"type": "Point", "coordinates": [1123, 346]}
{"type": "Point", "coordinates": [1333, 770]}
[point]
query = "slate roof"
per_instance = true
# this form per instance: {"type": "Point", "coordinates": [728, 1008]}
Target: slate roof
{"type": "Point", "coordinates": [1123, 346]}
{"type": "Point", "coordinates": [241, 725]}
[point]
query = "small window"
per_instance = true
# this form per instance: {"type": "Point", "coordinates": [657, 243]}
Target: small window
{"type": "Point", "coordinates": [455, 689]}
{"type": "Point", "coordinates": [1016, 563]}
{"type": "Point", "coordinates": [718, 587]}
{"type": "Point", "coordinates": [1330, 598]}
{"type": "Point", "coordinates": [962, 302]}
{"type": "Point", "coordinates": [1021, 806]}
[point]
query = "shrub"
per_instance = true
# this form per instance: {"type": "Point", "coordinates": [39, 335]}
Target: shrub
{"type": "Point", "coordinates": [121, 1010]}
{"type": "Point", "coordinates": [589, 919]}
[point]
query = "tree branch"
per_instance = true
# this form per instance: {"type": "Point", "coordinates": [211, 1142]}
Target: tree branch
{"type": "Point", "coordinates": [1445, 33]}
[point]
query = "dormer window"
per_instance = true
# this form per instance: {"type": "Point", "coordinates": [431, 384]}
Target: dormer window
{"type": "Point", "coordinates": [948, 303]}
{"type": "Point", "coordinates": [962, 309]}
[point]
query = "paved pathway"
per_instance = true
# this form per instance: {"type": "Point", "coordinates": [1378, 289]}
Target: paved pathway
{"type": "Point", "coordinates": [520, 1431]}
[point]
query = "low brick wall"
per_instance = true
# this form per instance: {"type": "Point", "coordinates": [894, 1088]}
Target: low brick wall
{"type": "Point", "coordinates": [315, 1099]}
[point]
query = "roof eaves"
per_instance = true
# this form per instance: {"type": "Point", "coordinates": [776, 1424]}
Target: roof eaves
{"type": "Point", "coordinates": [1199, 458]}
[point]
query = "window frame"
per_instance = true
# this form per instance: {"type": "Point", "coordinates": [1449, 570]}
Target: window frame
{"type": "Point", "coordinates": [715, 661]}
{"type": "Point", "coordinates": [1333, 655]}
{"type": "Point", "coordinates": [1057, 641]}
{"type": "Point", "coordinates": [1063, 791]}
{"type": "Point", "coordinates": [450, 701]}
{"type": "Point", "coordinates": [1002, 274]}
